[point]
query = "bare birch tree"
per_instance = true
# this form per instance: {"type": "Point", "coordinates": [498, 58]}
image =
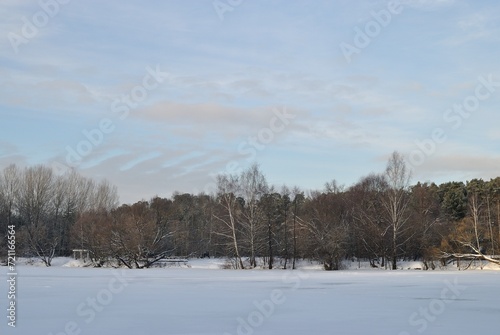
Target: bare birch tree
{"type": "Point", "coordinates": [253, 186]}
{"type": "Point", "coordinates": [227, 190]}
{"type": "Point", "coordinates": [397, 200]}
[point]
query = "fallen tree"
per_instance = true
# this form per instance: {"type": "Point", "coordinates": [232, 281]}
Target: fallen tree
{"type": "Point", "coordinates": [476, 254]}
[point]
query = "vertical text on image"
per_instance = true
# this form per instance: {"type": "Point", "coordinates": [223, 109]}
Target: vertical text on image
{"type": "Point", "coordinates": [11, 275]}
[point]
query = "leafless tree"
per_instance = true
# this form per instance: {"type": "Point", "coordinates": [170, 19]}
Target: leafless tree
{"type": "Point", "coordinates": [93, 232]}
{"type": "Point", "coordinates": [253, 186]}
{"type": "Point", "coordinates": [35, 197]}
{"type": "Point", "coordinates": [397, 200]}
{"type": "Point", "coordinates": [370, 221]}
{"type": "Point", "coordinates": [104, 197]}
{"type": "Point", "coordinates": [286, 207]}
{"type": "Point", "coordinates": [137, 241]}
{"type": "Point", "coordinates": [227, 190]}
{"type": "Point", "coordinates": [9, 190]}
{"type": "Point", "coordinates": [298, 200]}
{"type": "Point", "coordinates": [327, 226]}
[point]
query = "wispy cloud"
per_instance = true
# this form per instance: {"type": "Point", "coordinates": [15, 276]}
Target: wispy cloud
{"type": "Point", "coordinates": [139, 160]}
{"type": "Point", "coordinates": [97, 160]}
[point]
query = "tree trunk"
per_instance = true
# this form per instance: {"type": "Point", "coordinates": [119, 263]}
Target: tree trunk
{"type": "Point", "coordinates": [294, 235]}
{"type": "Point", "coordinates": [498, 221]}
{"type": "Point", "coordinates": [235, 240]}
{"type": "Point", "coordinates": [270, 241]}
{"type": "Point", "coordinates": [490, 225]}
{"type": "Point", "coordinates": [286, 238]}
{"type": "Point", "coordinates": [394, 249]}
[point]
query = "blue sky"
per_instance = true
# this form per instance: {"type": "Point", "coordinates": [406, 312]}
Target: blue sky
{"type": "Point", "coordinates": [203, 78]}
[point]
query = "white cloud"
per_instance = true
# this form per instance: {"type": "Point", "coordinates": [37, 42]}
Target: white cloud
{"type": "Point", "coordinates": [139, 160]}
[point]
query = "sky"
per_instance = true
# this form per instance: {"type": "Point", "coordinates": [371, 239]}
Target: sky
{"type": "Point", "coordinates": [161, 96]}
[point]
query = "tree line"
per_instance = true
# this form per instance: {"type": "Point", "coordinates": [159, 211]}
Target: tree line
{"type": "Point", "coordinates": [382, 218]}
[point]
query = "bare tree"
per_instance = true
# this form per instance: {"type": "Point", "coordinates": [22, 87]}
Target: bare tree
{"type": "Point", "coordinates": [286, 206]}
{"type": "Point", "coordinates": [476, 206]}
{"type": "Point", "coordinates": [272, 206]}
{"type": "Point", "coordinates": [61, 218]}
{"type": "Point", "coordinates": [298, 199]}
{"type": "Point", "coordinates": [327, 227]}
{"type": "Point", "coordinates": [462, 243]}
{"type": "Point", "coordinates": [227, 189]}
{"type": "Point", "coordinates": [93, 232]}
{"type": "Point", "coordinates": [81, 193]}
{"type": "Point", "coordinates": [137, 241]}
{"type": "Point", "coordinates": [369, 217]}
{"type": "Point", "coordinates": [104, 197]}
{"type": "Point", "coordinates": [253, 186]}
{"type": "Point", "coordinates": [9, 190]}
{"type": "Point", "coordinates": [35, 197]}
{"type": "Point", "coordinates": [90, 205]}
{"type": "Point", "coordinates": [397, 200]}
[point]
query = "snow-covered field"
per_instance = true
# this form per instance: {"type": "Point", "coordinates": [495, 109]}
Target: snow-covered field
{"type": "Point", "coordinates": [206, 300]}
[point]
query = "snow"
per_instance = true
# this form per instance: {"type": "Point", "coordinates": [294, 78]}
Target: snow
{"type": "Point", "coordinates": [201, 298]}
